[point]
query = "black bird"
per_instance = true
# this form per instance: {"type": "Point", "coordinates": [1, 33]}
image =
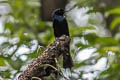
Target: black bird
{"type": "Point", "coordinates": [60, 27]}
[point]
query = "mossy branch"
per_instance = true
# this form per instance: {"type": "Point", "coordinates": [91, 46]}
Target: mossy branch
{"type": "Point", "coordinates": [46, 64]}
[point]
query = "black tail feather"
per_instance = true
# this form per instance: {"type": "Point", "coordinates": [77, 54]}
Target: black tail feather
{"type": "Point", "coordinates": [67, 60]}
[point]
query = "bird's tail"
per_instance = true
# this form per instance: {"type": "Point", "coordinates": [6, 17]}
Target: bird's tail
{"type": "Point", "coordinates": [67, 60]}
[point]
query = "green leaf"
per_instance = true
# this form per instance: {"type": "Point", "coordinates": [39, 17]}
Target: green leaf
{"type": "Point", "coordinates": [107, 41]}
{"type": "Point", "coordinates": [2, 61]}
{"type": "Point", "coordinates": [81, 45]}
{"type": "Point", "coordinates": [91, 38]}
{"type": "Point", "coordinates": [77, 65]}
{"type": "Point", "coordinates": [9, 26]}
{"type": "Point", "coordinates": [5, 74]}
{"type": "Point", "coordinates": [32, 55]}
{"type": "Point", "coordinates": [15, 64]}
{"type": "Point", "coordinates": [114, 11]}
{"type": "Point", "coordinates": [114, 23]}
{"type": "Point", "coordinates": [79, 30]}
{"type": "Point", "coordinates": [84, 3]}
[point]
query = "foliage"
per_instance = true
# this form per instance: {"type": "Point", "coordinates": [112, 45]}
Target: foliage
{"type": "Point", "coordinates": [23, 25]}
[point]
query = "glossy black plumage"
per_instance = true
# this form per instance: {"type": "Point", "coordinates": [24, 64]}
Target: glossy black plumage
{"type": "Point", "coordinates": [60, 27]}
{"type": "Point", "coordinates": [60, 24]}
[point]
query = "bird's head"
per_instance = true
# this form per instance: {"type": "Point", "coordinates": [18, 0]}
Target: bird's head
{"type": "Point", "coordinates": [58, 12]}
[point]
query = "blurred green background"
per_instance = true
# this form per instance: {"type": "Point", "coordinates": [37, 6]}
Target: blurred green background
{"type": "Point", "coordinates": [94, 27]}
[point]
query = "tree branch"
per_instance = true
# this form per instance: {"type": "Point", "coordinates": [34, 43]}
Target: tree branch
{"type": "Point", "coordinates": [46, 64]}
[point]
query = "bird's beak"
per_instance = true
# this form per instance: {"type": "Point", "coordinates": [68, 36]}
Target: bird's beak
{"type": "Point", "coordinates": [66, 11]}
{"type": "Point", "coordinates": [70, 8]}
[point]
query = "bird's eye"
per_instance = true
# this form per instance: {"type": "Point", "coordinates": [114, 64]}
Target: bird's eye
{"type": "Point", "coordinates": [62, 10]}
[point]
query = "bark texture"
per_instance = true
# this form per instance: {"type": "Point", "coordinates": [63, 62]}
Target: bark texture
{"type": "Point", "coordinates": [45, 64]}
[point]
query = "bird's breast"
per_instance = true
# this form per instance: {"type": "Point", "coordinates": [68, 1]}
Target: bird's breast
{"type": "Point", "coordinates": [59, 18]}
